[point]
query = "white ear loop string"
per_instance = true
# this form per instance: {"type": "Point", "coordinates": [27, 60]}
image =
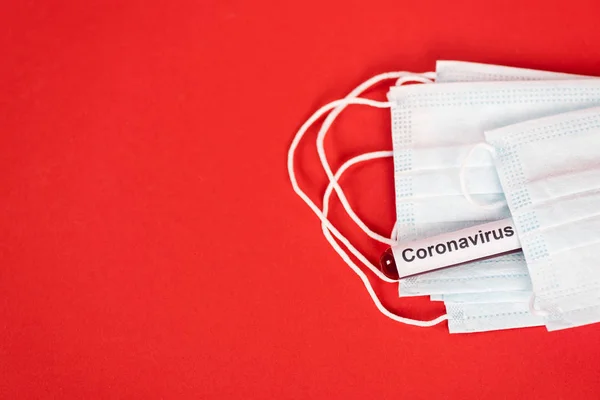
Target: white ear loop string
{"type": "Point", "coordinates": [353, 161]}
{"type": "Point", "coordinates": [404, 77]}
{"type": "Point", "coordinates": [338, 249]}
{"type": "Point", "coordinates": [425, 77]}
{"type": "Point", "coordinates": [463, 183]}
{"type": "Point", "coordinates": [338, 106]}
{"type": "Point", "coordinates": [292, 174]}
{"type": "Point", "coordinates": [535, 311]}
{"type": "Point", "coordinates": [325, 222]}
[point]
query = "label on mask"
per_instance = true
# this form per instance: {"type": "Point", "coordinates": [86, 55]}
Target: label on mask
{"type": "Point", "coordinates": [470, 244]}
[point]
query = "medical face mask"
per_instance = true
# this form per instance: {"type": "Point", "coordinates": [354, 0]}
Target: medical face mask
{"type": "Point", "coordinates": [447, 71]}
{"type": "Point", "coordinates": [455, 71]}
{"type": "Point", "coordinates": [469, 68]}
{"type": "Point", "coordinates": [481, 304]}
{"type": "Point", "coordinates": [329, 230]}
{"type": "Point", "coordinates": [550, 172]}
{"type": "Point", "coordinates": [434, 127]}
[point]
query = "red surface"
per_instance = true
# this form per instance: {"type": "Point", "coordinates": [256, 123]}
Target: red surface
{"type": "Point", "coordinates": [151, 245]}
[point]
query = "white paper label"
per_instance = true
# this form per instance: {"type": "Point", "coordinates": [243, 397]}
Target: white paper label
{"type": "Point", "coordinates": [457, 247]}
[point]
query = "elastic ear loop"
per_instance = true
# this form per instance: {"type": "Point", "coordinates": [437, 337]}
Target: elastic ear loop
{"type": "Point", "coordinates": [338, 249]}
{"type": "Point", "coordinates": [338, 106]}
{"type": "Point", "coordinates": [368, 156]}
{"type": "Point", "coordinates": [353, 161]}
{"type": "Point", "coordinates": [425, 77]}
{"type": "Point", "coordinates": [290, 164]}
{"type": "Point", "coordinates": [403, 77]}
{"type": "Point", "coordinates": [463, 183]}
{"type": "Point", "coordinates": [325, 222]}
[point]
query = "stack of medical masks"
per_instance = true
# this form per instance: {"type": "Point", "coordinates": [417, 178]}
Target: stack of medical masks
{"type": "Point", "coordinates": [480, 144]}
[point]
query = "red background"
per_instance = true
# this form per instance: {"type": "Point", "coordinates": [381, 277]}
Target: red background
{"type": "Point", "coordinates": [151, 245]}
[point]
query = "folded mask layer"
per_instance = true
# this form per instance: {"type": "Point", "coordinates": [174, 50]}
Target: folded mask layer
{"type": "Point", "coordinates": [491, 275]}
{"type": "Point", "coordinates": [491, 297]}
{"type": "Point", "coordinates": [460, 71]}
{"type": "Point", "coordinates": [463, 71]}
{"type": "Point", "coordinates": [483, 317]}
{"type": "Point", "coordinates": [446, 119]}
{"type": "Point", "coordinates": [550, 172]}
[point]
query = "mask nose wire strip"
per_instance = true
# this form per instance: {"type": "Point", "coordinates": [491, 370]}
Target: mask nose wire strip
{"type": "Point", "coordinates": [338, 249]}
{"type": "Point", "coordinates": [463, 181]}
{"type": "Point", "coordinates": [403, 77]}
{"type": "Point", "coordinates": [290, 165]}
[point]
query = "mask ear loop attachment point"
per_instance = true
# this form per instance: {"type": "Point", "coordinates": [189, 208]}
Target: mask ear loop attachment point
{"type": "Point", "coordinates": [338, 249]}
{"type": "Point", "coordinates": [402, 77]}
{"type": "Point", "coordinates": [463, 180]}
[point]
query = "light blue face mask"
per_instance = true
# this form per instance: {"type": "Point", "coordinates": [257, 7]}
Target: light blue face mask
{"type": "Point", "coordinates": [447, 120]}
{"type": "Point", "coordinates": [550, 171]}
{"type": "Point", "coordinates": [486, 311]}
{"type": "Point", "coordinates": [483, 188]}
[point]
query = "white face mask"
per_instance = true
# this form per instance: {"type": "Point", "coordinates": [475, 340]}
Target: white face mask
{"type": "Point", "coordinates": [329, 230]}
{"type": "Point", "coordinates": [449, 118]}
{"type": "Point", "coordinates": [458, 71]}
{"type": "Point", "coordinates": [550, 172]}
